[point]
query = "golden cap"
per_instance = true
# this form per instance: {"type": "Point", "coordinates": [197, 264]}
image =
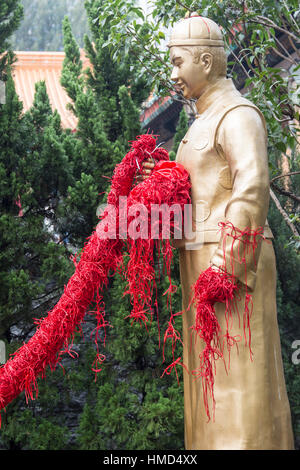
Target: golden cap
{"type": "Point", "coordinates": [195, 30]}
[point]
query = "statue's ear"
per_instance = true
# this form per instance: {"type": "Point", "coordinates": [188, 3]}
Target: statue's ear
{"type": "Point", "coordinates": [206, 59]}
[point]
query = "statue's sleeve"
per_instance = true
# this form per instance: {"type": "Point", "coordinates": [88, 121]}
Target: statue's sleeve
{"type": "Point", "coordinates": [241, 140]}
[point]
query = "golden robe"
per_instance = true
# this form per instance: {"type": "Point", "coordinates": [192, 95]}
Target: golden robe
{"type": "Point", "coordinates": [225, 153]}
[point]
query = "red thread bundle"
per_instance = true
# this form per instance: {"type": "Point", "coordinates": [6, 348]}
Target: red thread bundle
{"type": "Point", "coordinates": [221, 286]}
{"type": "Point", "coordinates": [100, 258]}
{"type": "Point", "coordinates": [211, 287]}
{"type": "Point", "coordinates": [168, 184]}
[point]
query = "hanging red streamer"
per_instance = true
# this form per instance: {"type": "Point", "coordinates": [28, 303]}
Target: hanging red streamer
{"type": "Point", "coordinates": [100, 259]}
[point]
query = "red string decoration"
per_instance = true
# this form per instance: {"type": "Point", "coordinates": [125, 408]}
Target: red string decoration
{"type": "Point", "coordinates": [168, 184]}
{"type": "Point", "coordinates": [100, 258]}
{"type": "Point", "coordinates": [221, 286]}
{"type": "Point", "coordinates": [167, 189]}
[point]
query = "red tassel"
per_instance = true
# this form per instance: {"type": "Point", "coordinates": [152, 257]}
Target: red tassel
{"type": "Point", "coordinates": [172, 366]}
{"type": "Point", "coordinates": [220, 286]}
{"type": "Point", "coordinates": [211, 287]}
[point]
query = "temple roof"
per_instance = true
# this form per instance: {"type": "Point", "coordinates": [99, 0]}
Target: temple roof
{"type": "Point", "coordinates": [32, 67]}
{"type": "Point", "coordinates": [159, 116]}
{"type": "Point", "coordinates": [154, 106]}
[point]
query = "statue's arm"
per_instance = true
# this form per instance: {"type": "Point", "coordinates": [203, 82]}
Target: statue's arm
{"type": "Point", "coordinates": [242, 143]}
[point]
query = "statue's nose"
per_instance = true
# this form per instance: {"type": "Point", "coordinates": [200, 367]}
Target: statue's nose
{"type": "Point", "coordinates": [174, 74]}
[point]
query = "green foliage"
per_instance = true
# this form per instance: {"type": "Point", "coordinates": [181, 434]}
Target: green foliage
{"type": "Point", "coordinates": [133, 34]}
{"type": "Point", "coordinates": [30, 433]}
{"type": "Point", "coordinates": [107, 115]}
{"type": "Point", "coordinates": [11, 12]}
{"type": "Point", "coordinates": [181, 129]}
{"type": "Point", "coordinates": [126, 420]}
{"type": "Point", "coordinates": [30, 148]}
{"type": "Point", "coordinates": [130, 115]}
{"type": "Point", "coordinates": [288, 281]}
{"type": "Point", "coordinates": [33, 266]}
{"type": "Point", "coordinates": [36, 172]}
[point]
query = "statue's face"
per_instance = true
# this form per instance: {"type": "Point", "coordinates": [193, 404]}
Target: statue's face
{"type": "Point", "coordinates": [189, 76]}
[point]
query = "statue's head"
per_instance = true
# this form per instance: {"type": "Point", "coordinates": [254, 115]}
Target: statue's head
{"type": "Point", "coordinates": [197, 54]}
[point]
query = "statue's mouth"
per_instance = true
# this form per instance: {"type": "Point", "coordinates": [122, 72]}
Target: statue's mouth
{"type": "Point", "coordinates": [179, 88]}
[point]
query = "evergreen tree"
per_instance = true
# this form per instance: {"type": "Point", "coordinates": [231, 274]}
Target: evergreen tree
{"type": "Point", "coordinates": [33, 266]}
{"type": "Point", "coordinates": [108, 116]}
{"type": "Point", "coordinates": [133, 408]}
{"type": "Point", "coordinates": [11, 13]}
{"type": "Point", "coordinates": [181, 129]}
{"type": "Point", "coordinates": [35, 173]}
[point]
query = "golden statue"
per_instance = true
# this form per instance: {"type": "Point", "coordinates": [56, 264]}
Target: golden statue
{"type": "Point", "coordinates": [225, 153]}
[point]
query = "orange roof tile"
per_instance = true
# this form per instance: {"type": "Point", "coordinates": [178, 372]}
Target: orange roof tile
{"type": "Point", "coordinates": [32, 67]}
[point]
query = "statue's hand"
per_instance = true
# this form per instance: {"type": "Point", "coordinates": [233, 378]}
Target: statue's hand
{"type": "Point", "coordinates": [146, 170]}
